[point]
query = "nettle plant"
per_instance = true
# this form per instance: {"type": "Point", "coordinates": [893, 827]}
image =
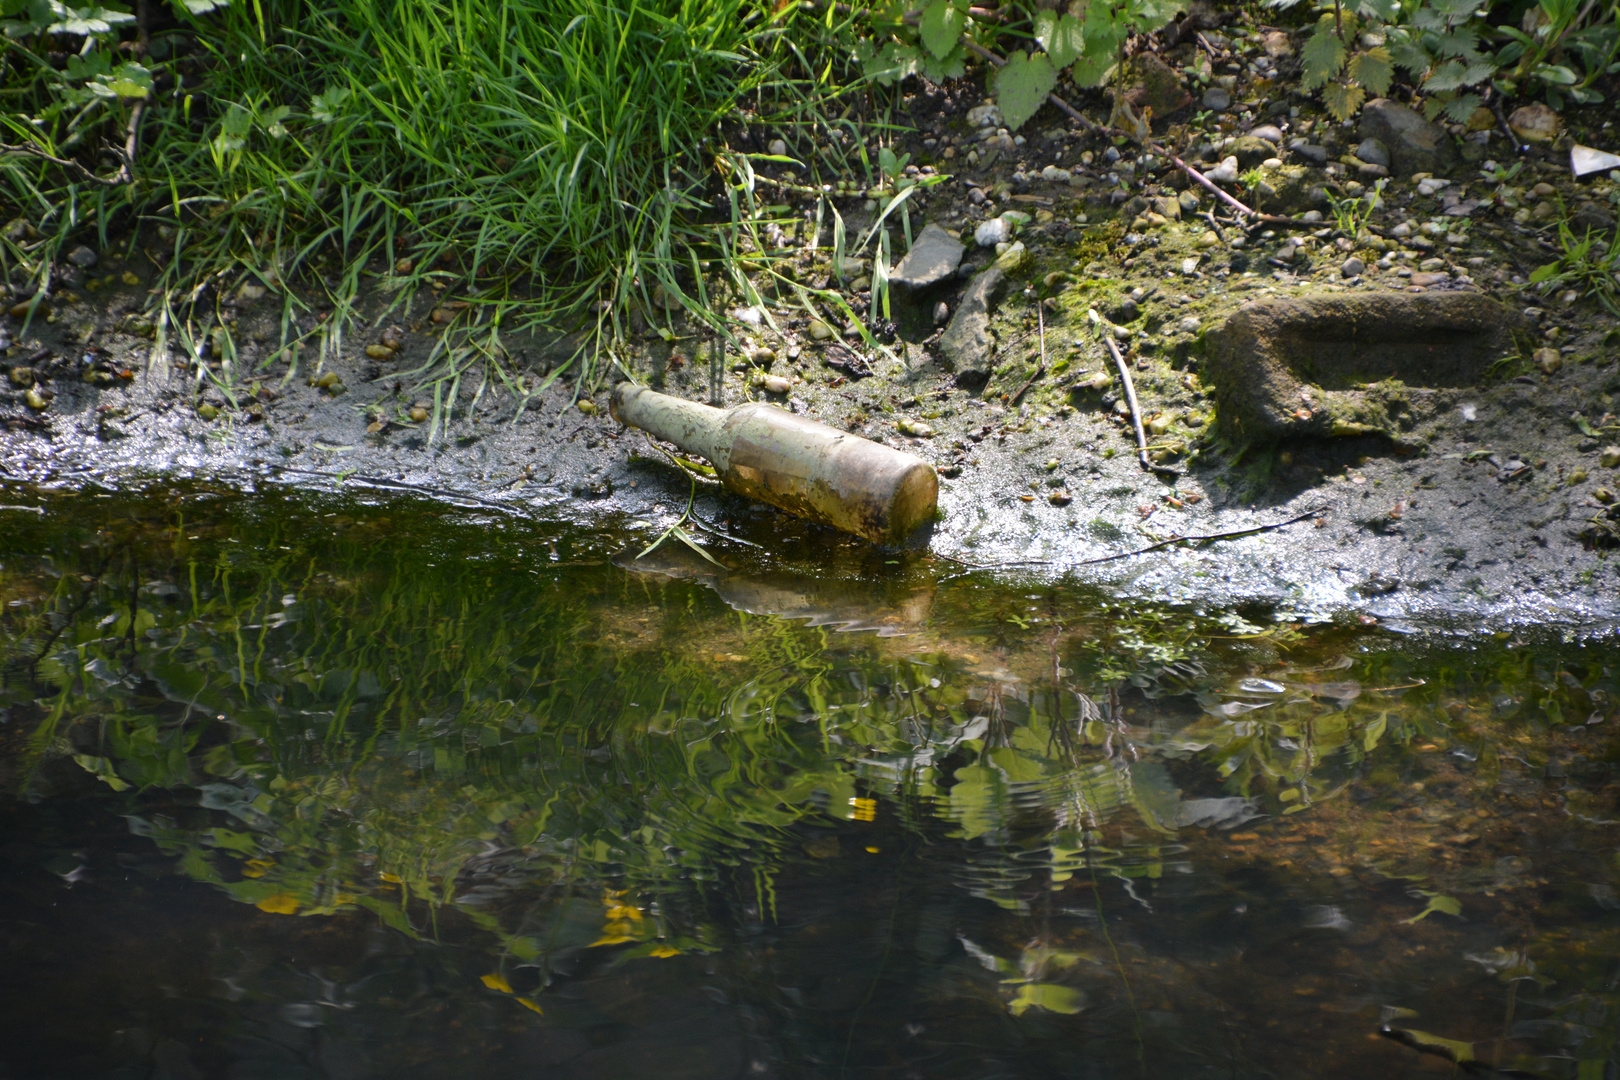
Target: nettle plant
{"type": "Point", "coordinates": [1356, 47]}
{"type": "Point", "coordinates": [1088, 38]}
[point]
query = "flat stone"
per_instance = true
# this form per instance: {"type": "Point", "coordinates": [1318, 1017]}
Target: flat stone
{"type": "Point", "coordinates": [1414, 144]}
{"type": "Point", "coordinates": [934, 257]}
{"type": "Point", "coordinates": [1217, 99]}
{"type": "Point", "coordinates": [82, 257]}
{"type": "Point", "coordinates": [1251, 150]}
{"type": "Point", "coordinates": [1269, 132]}
{"type": "Point", "coordinates": [1341, 363]}
{"type": "Point", "coordinates": [1316, 155]}
{"type": "Point", "coordinates": [1373, 152]}
{"type": "Point", "coordinates": [1424, 279]}
{"type": "Point", "coordinates": [967, 344]}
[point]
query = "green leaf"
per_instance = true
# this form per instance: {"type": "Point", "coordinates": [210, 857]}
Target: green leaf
{"type": "Point", "coordinates": [323, 107]}
{"type": "Point", "coordinates": [941, 25]}
{"type": "Point", "coordinates": [1062, 36]}
{"type": "Point", "coordinates": [1382, 10]}
{"type": "Point", "coordinates": [1461, 107]}
{"type": "Point", "coordinates": [1149, 15]}
{"type": "Point", "coordinates": [1446, 905]}
{"type": "Point", "coordinates": [1543, 273]}
{"type": "Point", "coordinates": [1322, 55]}
{"type": "Point", "coordinates": [952, 66]}
{"type": "Point", "coordinates": [1556, 74]}
{"type": "Point", "coordinates": [1410, 56]}
{"type": "Point", "coordinates": [1372, 69]}
{"type": "Point", "coordinates": [1461, 42]}
{"type": "Point", "coordinates": [1021, 87]}
{"type": "Point", "coordinates": [202, 7]}
{"type": "Point", "coordinates": [1448, 76]}
{"type": "Point", "coordinates": [1343, 99]}
{"type": "Point", "coordinates": [892, 63]}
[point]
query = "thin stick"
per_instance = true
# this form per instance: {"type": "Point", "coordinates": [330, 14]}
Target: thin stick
{"type": "Point", "coordinates": [1201, 539]}
{"type": "Point", "coordinates": [1130, 399]}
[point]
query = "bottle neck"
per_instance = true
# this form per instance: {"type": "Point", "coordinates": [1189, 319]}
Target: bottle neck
{"type": "Point", "coordinates": [694, 427]}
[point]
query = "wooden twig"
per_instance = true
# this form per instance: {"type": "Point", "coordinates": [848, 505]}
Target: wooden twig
{"type": "Point", "coordinates": [1233, 535]}
{"type": "Point", "coordinates": [1130, 400]}
{"type": "Point", "coordinates": [126, 168]}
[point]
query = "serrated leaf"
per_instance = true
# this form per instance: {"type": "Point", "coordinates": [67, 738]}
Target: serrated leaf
{"type": "Point", "coordinates": [1372, 69]}
{"type": "Point", "coordinates": [1461, 107]}
{"type": "Point", "coordinates": [1343, 99]}
{"type": "Point", "coordinates": [1382, 10]}
{"type": "Point", "coordinates": [1021, 87]}
{"type": "Point", "coordinates": [1062, 36]}
{"type": "Point", "coordinates": [1458, 41]}
{"type": "Point", "coordinates": [892, 63]}
{"type": "Point", "coordinates": [1448, 76]}
{"type": "Point", "coordinates": [1410, 56]}
{"type": "Point", "coordinates": [1149, 15]}
{"type": "Point", "coordinates": [952, 66]}
{"type": "Point", "coordinates": [941, 24]}
{"type": "Point", "coordinates": [1322, 56]}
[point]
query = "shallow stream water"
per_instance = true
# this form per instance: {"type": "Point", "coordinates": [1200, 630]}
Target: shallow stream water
{"type": "Point", "coordinates": [322, 787]}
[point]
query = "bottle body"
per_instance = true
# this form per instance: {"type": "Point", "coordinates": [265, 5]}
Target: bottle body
{"type": "Point", "coordinates": [799, 465]}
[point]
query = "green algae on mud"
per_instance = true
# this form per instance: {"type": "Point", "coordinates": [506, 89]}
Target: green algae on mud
{"type": "Point", "coordinates": [1023, 822]}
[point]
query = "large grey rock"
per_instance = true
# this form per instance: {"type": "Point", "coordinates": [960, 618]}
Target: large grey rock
{"type": "Point", "coordinates": [967, 345]}
{"type": "Point", "coordinates": [934, 256]}
{"type": "Point", "coordinates": [1348, 364]}
{"type": "Point", "coordinates": [1414, 144]}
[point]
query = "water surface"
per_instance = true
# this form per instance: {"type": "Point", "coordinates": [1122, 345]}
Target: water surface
{"type": "Point", "coordinates": [330, 787]}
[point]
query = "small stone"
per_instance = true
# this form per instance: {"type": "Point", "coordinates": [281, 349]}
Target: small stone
{"type": "Point", "coordinates": [992, 232]}
{"type": "Point", "coordinates": [1534, 123]}
{"type": "Point", "coordinates": [942, 312]}
{"type": "Point", "coordinates": [1425, 280]}
{"type": "Point", "coordinates": [777, 147]}
{"type": "Point", "coordinates": [1414, 144]}
{"type": "Point", "coordinates": [977, 197]}
{"type": "Point", "coordinates": [1224, 173]}
{"type": "Point", "coordinates": [418, 414]}
{"type": "Point", "coordinates": [130, 278]}
{"type": "Point", "coordinates": [1060, 498]}
{"type": "Point", "coordinates": [1217, 99]}
{"type": "Point", "coordinates": [1013, 259]}
{"type": "Point", "coordinates": [1549, 360]}
{"type": "Point", "coordinates": [1610, 458]}
{"type": "Point", "coordinates": [250, 291]}
{"type": "Point", "coordinates": [1544, 211]}
{"type": "Point", "coordinates": [1269, 132]}
{"type": "Point", "coordinates": [82, 257]}
{"type": "Point", "coordinates": [1316, 155]}
{"type": "Point", "coordinates": [914, 428]}
{"type": "Point", "coordinates": [1373, 152]}
{"type": "Point", "coordinates": [1207, 240]}
{"type": "Point", "coordinates": [820, 331]}
{"type": "Point", "coordinates": [379, 352]}
{"type": "Point", "coordinates": [587, 406]}
{"type": "Point", "coordinates": [22, 377]}
{"type": "Point", "coordinates": [985, 115]}
{"type": "Point", "coordinates": [1189, 325]}
{"type": "Point", "coordinates": [1054, 175]}
{"type": "Point", "coordinates": [1404, 229]}
{"type": "Point", "coordinates": [934, 256]}
{"type": "Point", "coordinates": [207, 411]}
{"type": "Point", "coordinates": [1189, 265]}
{"type": "Point", "coordinates": [1353, 267]}
{"type": "Point", "coordinates": [1543, 190]}
{"type": "Point", "coordinates": [774, 384]}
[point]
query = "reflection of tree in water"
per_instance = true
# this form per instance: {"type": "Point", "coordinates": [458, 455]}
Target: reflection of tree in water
{"type": "Point", "coordinates": [572, 770]}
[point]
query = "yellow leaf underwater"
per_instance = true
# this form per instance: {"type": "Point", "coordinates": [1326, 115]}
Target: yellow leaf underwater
{"type": "Point", "coordinates": [496, 981]}
{"type": "Point", "coordinates": [279, 904]}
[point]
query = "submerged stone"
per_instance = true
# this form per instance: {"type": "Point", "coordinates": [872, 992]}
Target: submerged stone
{"type": "Point", "coordinates": [1341, 364]}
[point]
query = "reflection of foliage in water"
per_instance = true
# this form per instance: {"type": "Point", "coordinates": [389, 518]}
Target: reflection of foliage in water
{"type": "Point", "coordinates": [363, 706]}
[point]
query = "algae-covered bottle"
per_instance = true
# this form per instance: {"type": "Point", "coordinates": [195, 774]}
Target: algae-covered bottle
{"type": "Point", "coordinates": [803, 467]}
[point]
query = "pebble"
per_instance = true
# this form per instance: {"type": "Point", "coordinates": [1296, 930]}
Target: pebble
{"type": "Point", "coordinates": [1610, 458]}
{"type": "Point", "coordinates": [775, 384]}
{"type": "Point", "coordinates": [418, 414]}
{"type": "Point", "coordinates": [250, 291]}
{"type": "Point", "coordinates": [1542, 190]}
{"type": "Point", "coordinates": [820, 331]}
{"type": "Point", "coordinates": [82, 257]}
{"type": "Point", "coordinates": [1189, 265]}
{"type": "Point", "coordinates": [992, 232]}
{"type": "Point", "coordinates": [942, 312]}
{"type": "Point", "coordinates": [1217, 99]}
{"type": "Point", "coordinates": [1549, 360]}
{"type": "Point", "coordinates": [22, 377]}
{"type": "Point", "coordinates": [778, 147]}
{"type": "Point", "coordinates": [915, 428]}
{"type": "Point", "coordinates": [379, 352]}
{"type": "Point", "coordinates": [1054, 175]}
{"type": "Point", "coordinates": [985, 115]}
{"type": "Point", "coordinates": [1316, 155]}
{"type": "Point", "coordinates": [1224, 173]}
{"type": "Point", "coordinates": [1269, 132]}
{"type": "Point", "coordinates": [1353, 267]}
{"type": "Point", "coordinates": [1189, 325]}
{"type": "Point", "coordinates": [1432, 186]}
{"type": "Point", "coordinates": [1373, 152]}
{"type": "Point", "coordinates": [1425, 280]}
{"type": "Point", "coordinates": [977, 197]}
{"type": "Point", "coordinates": [1402, 230]}
{"type": "Point", "coordinates": [1431, 265]}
